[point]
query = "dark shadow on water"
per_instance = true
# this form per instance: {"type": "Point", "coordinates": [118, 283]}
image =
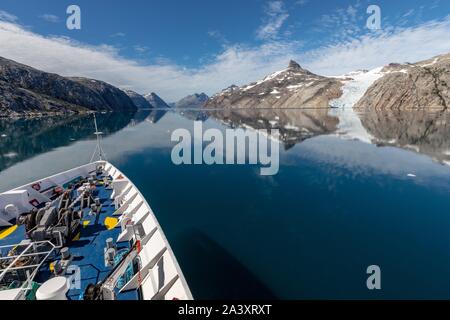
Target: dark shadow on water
{"type": "Point", "coordinates": [214, 273]}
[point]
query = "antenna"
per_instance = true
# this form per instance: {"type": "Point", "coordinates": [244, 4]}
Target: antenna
{"type": "Point", "coordinates": [98, 148]}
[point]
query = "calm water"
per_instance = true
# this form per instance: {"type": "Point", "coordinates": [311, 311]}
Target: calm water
{"type": "Point", "coordinates": [352, 191]}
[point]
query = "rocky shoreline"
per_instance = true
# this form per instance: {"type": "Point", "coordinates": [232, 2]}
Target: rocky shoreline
{"type": "Point", "coordinates": [43, 114]}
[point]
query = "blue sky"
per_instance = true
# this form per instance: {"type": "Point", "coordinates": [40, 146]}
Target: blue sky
{"type": "Point", "coordinates": [177, 47]}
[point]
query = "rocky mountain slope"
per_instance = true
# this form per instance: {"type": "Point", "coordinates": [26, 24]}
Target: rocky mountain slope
{"type": "Point", "coordinates": [193, 101]}
{"type": "Point", "coordinates": [156, 101]}
{"type": "Point", "coordinates": [422, 85]}
{"type": "Point", "coordinates": [293, 87]}
{"type": "Point", "coordinates": [27, 91]}
{"type": "Point", "coordinates": [139, 101]}
{"type": "Point", "coordinates": [190, 107]}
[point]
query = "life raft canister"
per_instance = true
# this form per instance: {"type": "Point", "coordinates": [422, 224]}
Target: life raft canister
{"type": "Point", "coordinates": [35, 203]}
{"type": "Point", "coordinates": [58, 190]}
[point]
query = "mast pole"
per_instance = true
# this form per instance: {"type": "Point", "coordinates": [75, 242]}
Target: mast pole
{"type": "Point", "coordinates": [98, 139]}
{"type": "Point", "coordinates": [99, 146]}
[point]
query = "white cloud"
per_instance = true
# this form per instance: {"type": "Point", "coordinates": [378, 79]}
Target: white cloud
{"type": "Point", "coordinates": [217, 35]}
{"type": "Point", "coordinates": [140, 49]}
{"type": "Point", "coordinates": [408, 13]}
{"type": "Point", "coordinates": [301, 2]}
{"type": "Point", "coordinates": [342, 24]}
{"type": "Point", "coordinates": [373, 50]}
{"type": "Point", "coordinates": [50, 18]}
{"type": "Point", "coordinates": [276, 15]}
{"type": "Point", "coordinates": [236, 63]}
{"type": "Point", "coordinates": [118, 35]}
{"type": "Point", "coordinates": [6, 16]}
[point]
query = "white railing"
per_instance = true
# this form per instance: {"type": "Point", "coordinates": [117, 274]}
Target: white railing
{"type": "Point", "coordinates": [31, 251]}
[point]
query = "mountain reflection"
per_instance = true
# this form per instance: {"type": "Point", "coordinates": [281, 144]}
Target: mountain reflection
{"type": "Point", "coordinates": [420, 131]}
{"type": "Point", "coordinates": [193, 114]}
{"type": "Point", "coordinates": [21, 139]}
{"type": "Point", "coordinates": [294, 125]}
{"type": "Point", "coordinates": [424, 132]}
{"type": "Point", "coordinates": [155, 115]}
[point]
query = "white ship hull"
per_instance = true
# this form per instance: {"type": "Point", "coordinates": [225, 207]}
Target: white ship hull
{"type": "Point", "coordinates": [159, 276]}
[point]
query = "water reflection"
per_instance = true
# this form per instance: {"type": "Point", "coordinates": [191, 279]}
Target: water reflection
{"type": "Point", "coordinates": [140, 116]}
{"type": "Point", "coordinates": [326, 212]}
{"type": "Point", "coordinates": [155, 115]}
{"type": "Point", "coordinates": [193, 114]}
{"type": "Point", "coordinates": [21, 139]}
{"type": "Point", "coordinates": [420, 131]}
{"type": "Point", "coordinates": [294, 125]}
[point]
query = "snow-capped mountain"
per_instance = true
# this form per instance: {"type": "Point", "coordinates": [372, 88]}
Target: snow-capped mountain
{"type": "Point", "coordinates": [422, 85]}
{"type": "Point", "coordinates": [138, 100]}
{"type": "Point", "coordinates": [193, 101]}
{"type": "Point", "coordinates": [156, 101]}
{"type": "Point", "coordinates": [293, 87]}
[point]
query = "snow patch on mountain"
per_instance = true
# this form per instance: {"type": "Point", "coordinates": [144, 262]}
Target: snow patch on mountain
{"type": "Point", "coordinates": [435, 60]}
{"type": "Point", "coordinates": [355, 85]}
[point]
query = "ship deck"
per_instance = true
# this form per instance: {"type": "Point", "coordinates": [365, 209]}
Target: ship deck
{"type": "Point", "coordinates": [86, 247]}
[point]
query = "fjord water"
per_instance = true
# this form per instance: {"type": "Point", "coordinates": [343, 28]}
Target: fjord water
{"type": "Point", "coordinates": [350, 193]}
